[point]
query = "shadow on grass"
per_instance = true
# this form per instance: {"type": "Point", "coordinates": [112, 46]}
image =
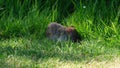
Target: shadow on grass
{"type": "Point", "coordinates": [41, 54]}
{"type": "Point", "coordinates": [36, 50]}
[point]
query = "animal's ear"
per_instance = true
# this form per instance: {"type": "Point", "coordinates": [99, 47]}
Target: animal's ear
{"type": "Point", "coordinates": [70, 29]}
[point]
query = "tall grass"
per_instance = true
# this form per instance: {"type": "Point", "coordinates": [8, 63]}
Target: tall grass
{"type": "Point", "coordinates": [96, 18]}
{"type": "Point", "coordinates": [91, 18]}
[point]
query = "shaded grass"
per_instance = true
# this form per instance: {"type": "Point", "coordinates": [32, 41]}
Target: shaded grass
{"type": "Point", "coordinates": [27, 52]}
{"type": "Point", "coordinates": [64, 50]}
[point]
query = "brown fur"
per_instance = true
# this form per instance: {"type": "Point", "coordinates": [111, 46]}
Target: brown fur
{"type": "Point", "coordinates": [56, 31]}
{"type": "Point", "coordinates": [74, 35]}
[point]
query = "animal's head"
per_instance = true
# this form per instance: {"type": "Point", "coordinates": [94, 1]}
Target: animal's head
{"type": "Point", "coordinates": [73, 34]}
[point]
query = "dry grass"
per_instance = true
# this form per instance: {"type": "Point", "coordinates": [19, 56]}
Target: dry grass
{"type": "Point", "coordinates": [115, 63]}
{"type": "Point", "coordinates": [22, 62]}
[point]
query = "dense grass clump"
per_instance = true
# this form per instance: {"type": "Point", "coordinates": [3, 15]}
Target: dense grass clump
{"type": "Point", "coordinates": [25, 17]}
{"type": "Point", "coordinates": [22, 32]}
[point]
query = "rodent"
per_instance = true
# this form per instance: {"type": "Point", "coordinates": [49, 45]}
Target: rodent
{"type": "Point", "coordinates": [58, 32]}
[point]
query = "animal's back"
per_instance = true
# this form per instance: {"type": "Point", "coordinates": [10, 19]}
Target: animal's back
{"type": "Point", "coordinates": [54, 30]}
{"type": "Point", "coordinates": [53, 27]}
